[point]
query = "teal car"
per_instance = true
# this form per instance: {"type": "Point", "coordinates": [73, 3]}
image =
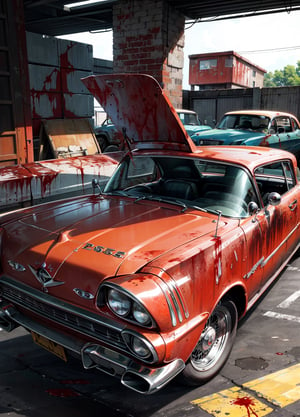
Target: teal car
{"type": "Point", "coordinates": [191, 122]}
{"type": "Point", "coordinates": [255, 128]}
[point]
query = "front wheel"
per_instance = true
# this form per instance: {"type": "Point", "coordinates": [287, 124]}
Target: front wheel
{"type": "Point", "coordinates": [214, 345]}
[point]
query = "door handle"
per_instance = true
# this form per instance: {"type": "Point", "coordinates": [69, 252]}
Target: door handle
{"type": "Point", "coordinates": [293, 205]}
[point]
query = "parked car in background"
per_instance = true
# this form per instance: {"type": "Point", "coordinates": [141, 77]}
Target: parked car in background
{"type": "Point", "coordinates": [191, 122]}
{"type": "Point", "coordinates": [109, 138]}
{"type": "Point", "coordinates": [255, 128]}
{"type": "Point", "coordinates": [147, 279]}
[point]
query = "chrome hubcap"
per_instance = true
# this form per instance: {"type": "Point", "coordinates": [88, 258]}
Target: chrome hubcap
{"type": "Point", "coordinates": [208, 338]}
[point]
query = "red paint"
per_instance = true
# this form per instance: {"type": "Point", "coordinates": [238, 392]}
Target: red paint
{"type": "Point", "coordinates": [265, 141]}
{"type": "Point", "coordinates": [246, 402]}
{"type": "Point", "coordinates": [63, 393]}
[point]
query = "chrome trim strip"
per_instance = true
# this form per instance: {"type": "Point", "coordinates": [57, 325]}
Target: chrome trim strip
{"type": "Point", "coordinates": [171, 309]}
{"type": "Point", "coordinates": [181, 300]}
{"type": "Point", "coordinates": [279, 247]}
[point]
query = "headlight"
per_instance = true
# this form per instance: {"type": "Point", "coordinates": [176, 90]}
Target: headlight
{"type": "Point", "coordinates": [140, 314]}
{"type": "Point", "coordinates": [118, 302]}
{"type": "Point", "coordinates": [125, 305]}
{"type": "Point", "coordinates": [140, 348]}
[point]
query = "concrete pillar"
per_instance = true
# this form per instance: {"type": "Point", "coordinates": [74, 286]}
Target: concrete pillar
{"type": "Point", "coordinates": [149, 39]}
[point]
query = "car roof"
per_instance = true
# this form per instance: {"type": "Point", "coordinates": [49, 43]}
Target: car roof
{"type": "Point", "coordinates": [268, 113]}
{"type": "Point", "coordinates": [185, 111]}
{"type": "Point", "coordinates": [247, 156]}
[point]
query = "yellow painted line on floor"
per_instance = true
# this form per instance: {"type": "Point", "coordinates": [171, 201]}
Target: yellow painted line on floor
{"type": "Point", "coordinates": [233, 402]}
{"type": "Point", "coordinates": [279, 388]}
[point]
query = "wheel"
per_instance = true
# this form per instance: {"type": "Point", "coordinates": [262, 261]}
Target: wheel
{"type": "Point", "coordinates": [213, 347]}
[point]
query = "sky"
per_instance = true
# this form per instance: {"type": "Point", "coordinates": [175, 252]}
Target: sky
{"type": "Point", "coordinates": [271, 41]}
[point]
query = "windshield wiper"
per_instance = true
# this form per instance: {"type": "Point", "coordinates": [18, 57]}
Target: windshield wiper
{"type": "Point", "coordinates": [162, 200]}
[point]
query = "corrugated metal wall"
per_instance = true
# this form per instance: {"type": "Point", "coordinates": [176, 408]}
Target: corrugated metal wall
{"type": "Point", "coordinates": [212, 104]}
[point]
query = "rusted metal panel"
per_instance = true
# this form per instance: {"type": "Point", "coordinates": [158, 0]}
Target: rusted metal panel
{"type": "Point", "coordinates": [38, 181]}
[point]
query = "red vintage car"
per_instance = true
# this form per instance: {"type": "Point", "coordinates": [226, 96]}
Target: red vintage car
{"type": "Point", "coordinates": [147, 279]}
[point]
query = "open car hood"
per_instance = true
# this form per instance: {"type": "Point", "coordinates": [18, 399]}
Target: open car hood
{"type": "Point", "coordinates": [140, 109]}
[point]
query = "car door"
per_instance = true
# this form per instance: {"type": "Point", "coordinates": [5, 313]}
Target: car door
{"type": "Point", "coordinates": [287, 134]}
{"type": "Point", "coordinates": [279, 220]}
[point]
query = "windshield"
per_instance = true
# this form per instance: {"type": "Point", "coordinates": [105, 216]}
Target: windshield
{"type": "Point", "coordinates": [244, 122]}
{"type": "Point", "coordinates": [190, 182]}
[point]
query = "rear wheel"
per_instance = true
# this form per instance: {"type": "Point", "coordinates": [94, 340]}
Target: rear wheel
{"type": "Point", "coordinates": [214, 345]}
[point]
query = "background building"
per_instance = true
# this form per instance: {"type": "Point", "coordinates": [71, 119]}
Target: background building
{"type": "Point", "coordinates": [223, 70]}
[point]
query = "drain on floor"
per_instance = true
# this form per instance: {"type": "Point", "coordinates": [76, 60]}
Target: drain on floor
{"type": "Point", "coordinates": [251, 363]}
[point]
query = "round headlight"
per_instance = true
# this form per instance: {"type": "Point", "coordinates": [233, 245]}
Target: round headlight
{"type": "Point", "coordinates": [118, 302]}
{"type": "Point", "coordinates": [140, 348]}
{"type": "Point", "coordinates": [140, 314]}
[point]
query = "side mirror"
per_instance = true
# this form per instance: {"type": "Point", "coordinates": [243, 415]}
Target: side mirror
{"type": "Point", "coordinates": [274, 199]}
{"type": "Point", "coordinates": [253, 208]}
{"type": "Point", "coordinates": [96, 185]}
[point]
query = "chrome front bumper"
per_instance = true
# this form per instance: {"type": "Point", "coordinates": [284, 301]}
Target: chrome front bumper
{"type": "Point", "coordinates": [140, 378]}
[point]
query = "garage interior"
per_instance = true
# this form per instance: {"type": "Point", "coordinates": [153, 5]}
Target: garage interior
{"type": "Point", "coordinates": [153, 28]}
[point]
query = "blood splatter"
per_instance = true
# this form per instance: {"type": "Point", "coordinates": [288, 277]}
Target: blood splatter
{"type": "Point", "coordinates": [63, 393]}
{"type": "Point", "coordinates": [246, 402]}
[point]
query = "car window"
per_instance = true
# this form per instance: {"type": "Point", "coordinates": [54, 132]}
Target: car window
{"type": "Point", "coordinates": [283, 124]}
{"type": "Point", "coordinates": [244, 122]}
{"type": "Point", "coordinates": [202, 184]}
{"type": "Point", "coordinates": [276, 177]}
{"type": "Point", "coordinates": [294, 124]}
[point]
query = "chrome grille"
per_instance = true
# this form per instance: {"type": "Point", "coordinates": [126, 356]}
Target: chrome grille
{"type": "Point", "coordinates": [81, 324]}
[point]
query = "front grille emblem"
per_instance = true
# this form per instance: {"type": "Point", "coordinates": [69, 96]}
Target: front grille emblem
{"type": "Point", "coordinates": [43, 276]}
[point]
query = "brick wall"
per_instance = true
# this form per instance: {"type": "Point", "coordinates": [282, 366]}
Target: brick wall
{"type": "Point", "coordinates": [149, 39]}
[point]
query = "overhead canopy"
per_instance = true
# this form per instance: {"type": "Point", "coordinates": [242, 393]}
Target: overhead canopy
{"type": "Point", "coordinates": [56, 17]}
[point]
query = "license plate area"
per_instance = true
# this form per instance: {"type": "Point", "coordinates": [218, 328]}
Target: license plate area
{"type": "Point", "coordinates": [49, 345]}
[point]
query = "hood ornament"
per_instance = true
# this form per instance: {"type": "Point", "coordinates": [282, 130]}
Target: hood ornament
{"type": "Point", "coordinates": [43, 276]}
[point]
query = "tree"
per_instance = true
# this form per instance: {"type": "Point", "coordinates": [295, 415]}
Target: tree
{"type": "Point", "coordinates": [289, 76]}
